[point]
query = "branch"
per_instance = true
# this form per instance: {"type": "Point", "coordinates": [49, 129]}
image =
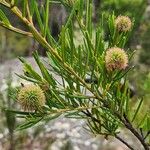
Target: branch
{"type": "Point", "coordinates": [4, 3]}
{"type": "Point", "coordinates": [148, 133]}
{"type": "Point", "coordinates": [50, 112]}
{"type": "Point", "coordinates": [129, 126]}
{"type": "Point", "coordinates": [16, 29]}
{"type": "Point", "coordinates": [124, 142]}
{"type": "Point", "coordinates": [74, 109]}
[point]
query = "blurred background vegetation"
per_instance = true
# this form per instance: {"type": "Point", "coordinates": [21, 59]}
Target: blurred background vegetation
{"type": "Point", "coordinates": [13, 45]}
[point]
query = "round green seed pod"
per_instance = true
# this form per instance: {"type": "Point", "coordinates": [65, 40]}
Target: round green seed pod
{"type": "Point", "coordinates": [116, 59]}
{"type": "Point", "coordinates": [31, 97]}
{"type": "Point", "coordinates": [123, 23]}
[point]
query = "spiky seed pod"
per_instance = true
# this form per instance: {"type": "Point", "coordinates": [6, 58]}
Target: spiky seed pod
{"type": "Point", "coordinates": [31, 97]}
{"type": "Point", "coordinates": [116, 59]}
{"type": "Point", "coordinates": [123, 23]}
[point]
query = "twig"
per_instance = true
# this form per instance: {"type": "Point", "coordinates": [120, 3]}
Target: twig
{"type": "Point", "coordinates": [4, 3]}
{"type": "Point", "coordinates": [133, 131]}
{"type": "Point", "coordinates": [124, 142]}
{"type": "Point", "coordinates": [11, 28]}
{"type": "Point", "coordinates": [148, 133]}
{"type": "Point", "coordinates": [141, 131]}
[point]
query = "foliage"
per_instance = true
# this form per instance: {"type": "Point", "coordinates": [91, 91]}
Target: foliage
{"type": "Point", "coordinates": [88, 90]}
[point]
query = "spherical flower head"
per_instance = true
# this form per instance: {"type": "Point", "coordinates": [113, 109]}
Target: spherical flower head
{"type": "Point", "coordinates": [123, 23]}
{"type": "Point", "coordinates": [116, 59]}
{"type": "Point", "coordinates": [31, 97]}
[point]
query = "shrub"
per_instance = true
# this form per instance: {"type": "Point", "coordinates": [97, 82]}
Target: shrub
{"type": "Point", "coordinates": [103, 102]}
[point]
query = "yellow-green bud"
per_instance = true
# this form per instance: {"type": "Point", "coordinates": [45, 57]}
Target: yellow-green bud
{"type": "Point", "coordinates": [31, 97]}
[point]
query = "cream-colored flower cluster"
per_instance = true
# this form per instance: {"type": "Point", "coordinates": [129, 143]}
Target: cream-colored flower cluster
{"type": "Point", "coordinates": [116, 59]}
{"type": "Point", "coordinates": [123, 23]}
